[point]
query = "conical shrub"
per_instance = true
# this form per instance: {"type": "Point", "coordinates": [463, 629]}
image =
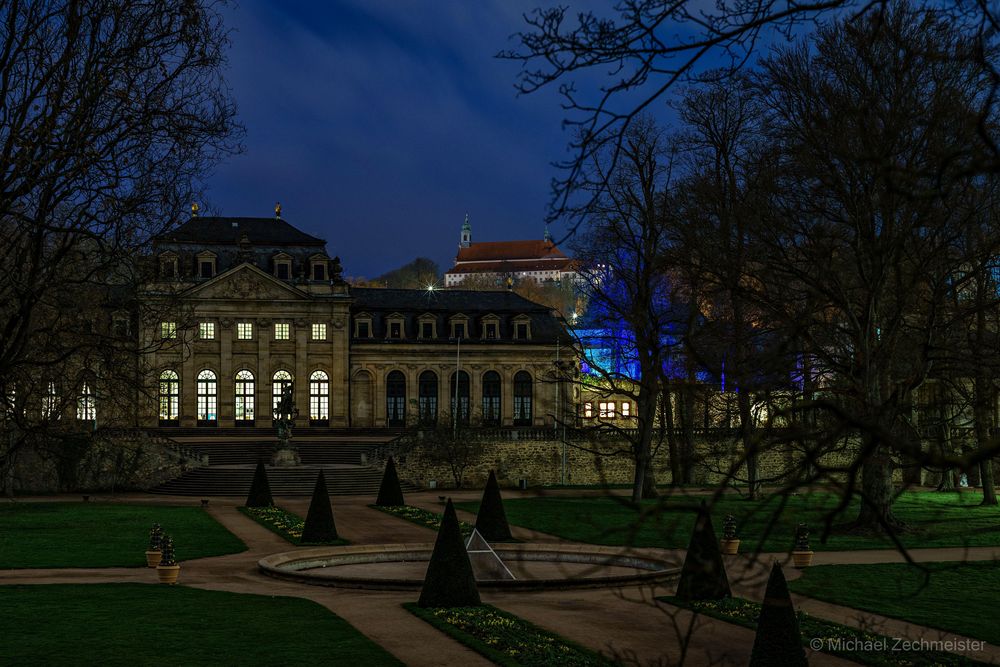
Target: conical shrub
{"type": "Point", "coordinates": [390, 494]}
{"type": "Point", "coordinates": [260, 489]}
{"type": "Point", "coordinates": [703, 576]}
{"type": "Point", "coordinates": [491, 522]}
{"type": "Point", "coordinates": [778, 640]}
{"type": "Point", "coordinates": [320, 526]}
{"type": "Point", "coordinates": [449, 581]}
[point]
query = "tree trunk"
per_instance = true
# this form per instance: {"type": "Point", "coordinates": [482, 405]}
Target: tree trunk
{"type": "Point", "coordinates": [877, 494]}
{"type": "Point", "coordinates": [749, 443]}
{"type": "Point", "coordinates": [982, 424]}
{"type": "Point", "coordinates": [642, 447]}
{"type": "Point", "coordinates": [672, 448]}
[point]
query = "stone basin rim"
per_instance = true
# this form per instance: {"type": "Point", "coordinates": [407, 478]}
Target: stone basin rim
{"type": "Point", "coordinates": [295, 565]}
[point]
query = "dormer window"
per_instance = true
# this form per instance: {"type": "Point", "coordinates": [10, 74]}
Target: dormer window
{"type": "Point", "coordinates": [362, 325]}
{"type": "Point", "coordinates": [428, 327]}
{"type": "Point", "coordinates": [491, 327]}
{"type": "Point", "coordinates": [282, 266]}
{"type": "Point", "coordinates": [168, 266]}
{"type": "Point", "coordinates": [459, 326]}
{"type": "Point", "coordinates": [522, 327]}
{"type": "Point", "coordinates": [395, 328]}
{"type": "Point", "coordinates": [205, 264]}
{"type": "Point", "coordinates": [317, 267]}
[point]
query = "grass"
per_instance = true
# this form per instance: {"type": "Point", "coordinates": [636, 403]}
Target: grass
{"type": "Point", "coordinates": [284, 524]}
{"type": "Point", "coordinates": [934, 520]}
{"type": "Point", "coordinates": [957, 597]}
{"type": "Point", "coordinates": [150, 624]}
{"type": "Point", "coordinates": [45, 535]}
{"type": "Point", "coordinates": [868, 648]}
{"type": "Point", "coordinates": [422, 517]}
{"type": "Point", "coordinates": [507, 639]}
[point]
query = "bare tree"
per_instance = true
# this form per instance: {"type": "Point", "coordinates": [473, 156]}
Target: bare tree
{"type": "Point", "coordinates": [110, 113]}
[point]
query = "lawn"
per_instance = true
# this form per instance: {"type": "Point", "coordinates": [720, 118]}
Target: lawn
{"type": "Point", "coordinates": [104, 535]}
{"type": "Point", "coordinates": [150, 624]}
{"type": "Point", "coordinates": [958, 597]}
{"type": "Point", "coordinates": [935, 520]}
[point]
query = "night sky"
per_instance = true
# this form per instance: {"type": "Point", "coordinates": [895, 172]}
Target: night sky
{"type": "Point", "coordinates": [379, 123]}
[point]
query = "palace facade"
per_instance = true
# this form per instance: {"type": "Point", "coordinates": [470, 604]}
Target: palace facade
{"type": "Point", "coordinates": [235, 309]}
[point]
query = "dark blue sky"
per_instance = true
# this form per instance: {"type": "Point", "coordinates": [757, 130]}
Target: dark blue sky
{"type": "Point", "coordinates": [379, 123]}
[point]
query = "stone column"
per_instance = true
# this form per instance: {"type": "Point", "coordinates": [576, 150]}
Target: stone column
{"type": "Point", "coordinates": [506, 396]}
{"type": "Point", "coordinates": [264, 370]}
{"type": "Point", "coordinates": [226, 380]}
{"type": "Point", "coordinates": [189, 386]}
{"type": "Point", "coordinates": [302, 371]}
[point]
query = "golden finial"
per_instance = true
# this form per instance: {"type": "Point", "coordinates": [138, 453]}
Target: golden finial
{"type": "Point", "coordinates": [194, 209]}
{"type": "Point", "coordinates": [277, 210]}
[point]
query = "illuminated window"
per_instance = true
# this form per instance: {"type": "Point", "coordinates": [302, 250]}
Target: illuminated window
{"type": "Point", "coordinates": [170, 396]}
{"type": "Point", "coordinates": [490, 330]}
{"type": "Point", "coordinates": [282, 331]}
{"type": "Point", "coordinates": [208, 398]}
{"type": "Point", "coordinates": [319, 332]}
{"type": "Point", "coordinates": [588, 410]}
{"type": "Point", "coordinates": [50, 402]}
{"type": "Point", "coordinates": [626, 409]}
{"type": "Point", "coordinates": [603, 410]}
{"type": "Point", "coordinates": [86, 407]}
{"type": "Point", "coordinates": [244, 330]}
{"type": "Point", "coordinates": [206, 330]}
{"type": "Point", "coordinates": [244, 403]}
{"type": "Point", "coordinates": [611, 410]}
{"type": "Point", "coordinates": [168, 330]}
{"type": "Point", "coordinates": [319, 398]}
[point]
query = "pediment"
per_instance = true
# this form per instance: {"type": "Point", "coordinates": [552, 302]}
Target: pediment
{"type": "Point", "coordinates": [247, 283]}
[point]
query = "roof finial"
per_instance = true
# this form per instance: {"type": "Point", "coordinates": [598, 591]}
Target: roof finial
{"type": "Point", "coordinates": [277, 210]}
{"type": "Point", "coordinates": [194, 209]}
{"type": "Point", "coordinates": [547, 237]}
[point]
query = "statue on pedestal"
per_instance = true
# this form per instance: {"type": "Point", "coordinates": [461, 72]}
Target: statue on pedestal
{"type": "Point", "coordinates": [284, 417]}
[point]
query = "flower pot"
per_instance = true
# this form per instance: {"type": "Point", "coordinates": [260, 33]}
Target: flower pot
{"type": "Point", "coordinates": [153, 558]}
{"type": "Point", "coordinates": [802, 559]}
{"type": "Point", "coordinates": [168, 573]}
{"type": "Point", "coordinates": [729, 547]}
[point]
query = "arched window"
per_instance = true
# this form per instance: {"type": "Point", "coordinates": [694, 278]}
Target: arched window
{"type": "Point", "coordinates": [279, 381]}
{"type": "Point", "coordinates": [522, 399]}
{"type": "Point", "coordinates": [170, 398]}
{"type": "Point", "coordinates": [491, 398]}
{"type": "Point", "coordinates": [319, 399]}
{"type": "Point", "coordinates": [427, 397]}
{"type": "Point", "coordinates": [50, 402]}
{"type": "Point", "coordinates": [460, 390]}
{"type": "Point", "coordinates": [244, 395]}
{"type": "Point", "coordinates": [86, 408]}
{"type": "Point", "coordinates": [208, 398]}
{"type": "Point", "coordinates": [395, 399]}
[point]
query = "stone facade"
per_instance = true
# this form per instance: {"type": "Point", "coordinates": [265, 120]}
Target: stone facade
{"type": "Point", "coordinates": [235, 307]}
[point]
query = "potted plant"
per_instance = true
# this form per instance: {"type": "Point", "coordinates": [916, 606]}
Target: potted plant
{"type": "Point", "coordinates": [168, 569]}
{"type": "Point", "coordinates": [802, 555]}
{"type": "Point", "coordinates": [730, 543]}
{"type": "Point", "coordinates": [153, 553]}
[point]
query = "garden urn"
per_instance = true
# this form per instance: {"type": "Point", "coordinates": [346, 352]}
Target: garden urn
{"type": "Point", "coordinates": [168, 573]}
{"type": "Point", "coordinates": [153, 557]}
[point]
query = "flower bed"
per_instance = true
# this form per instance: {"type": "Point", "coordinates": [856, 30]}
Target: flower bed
{"type": "Point", "coordinates": [506, 639]}
{"type": "Point", "coordinates": [284, 523]}
{"type": "Point", "coordinates": [867, 648]}
{"type": "Point", "coordinates": [421, 517]}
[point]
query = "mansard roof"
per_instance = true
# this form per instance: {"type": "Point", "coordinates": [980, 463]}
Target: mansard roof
{"type": "Point", "coordinates": [451, 300]}
{"type": "Point", "coordinates": [229, 231]}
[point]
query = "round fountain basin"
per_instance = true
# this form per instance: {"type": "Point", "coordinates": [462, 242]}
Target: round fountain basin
{"type": "Point", "coordinates": [535, 566]}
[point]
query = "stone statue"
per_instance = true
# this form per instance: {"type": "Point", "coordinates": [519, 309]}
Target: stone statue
{"type": "Point", "coordinates": [284, 417]}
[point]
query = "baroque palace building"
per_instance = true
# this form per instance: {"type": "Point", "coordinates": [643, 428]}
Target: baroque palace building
{"type": "Point", "coordinates": [236, 309]}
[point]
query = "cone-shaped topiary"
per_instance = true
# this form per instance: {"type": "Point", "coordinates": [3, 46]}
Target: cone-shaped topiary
{"type": "Point", "coordinates": [703, 576]}
{"type": "Point", "coordinates": [491, 522]}
{"type": "Point", "coordinates": [155, 537]}
{"type": "Point", "coordinates": [167, 547]}
{"type": "Point", "coordinates": [449, 581]}
{"type": "Point", "coordinates": [778, 641]}
{"type": "Point", "coordinates": [390, 494]}
{"type": "Point", "coordinates": [260, 489]}
{"type": "Point", "coordinates": [320, 526]}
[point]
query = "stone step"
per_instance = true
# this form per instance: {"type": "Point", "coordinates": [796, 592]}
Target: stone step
{"type": "Point", "coordinates": [248, 452]}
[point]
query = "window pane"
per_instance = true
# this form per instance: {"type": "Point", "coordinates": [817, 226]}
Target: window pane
{"type": "Point", "coordinates": [319, 332]}
{"type": "Point", "coordinates": [281, 331]}
{"type": "Point", "coordinates": [168, 329]}
{"type": "Point", "coordinates": [206, 330]}
{"type": "Point", "coordinates": [244, 330]}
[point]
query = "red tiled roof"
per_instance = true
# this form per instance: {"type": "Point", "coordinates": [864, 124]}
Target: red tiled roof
{"type": "Point", "coordinates": [501, 250]}
{"type": "Point", "coordinates": [555, 264]}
